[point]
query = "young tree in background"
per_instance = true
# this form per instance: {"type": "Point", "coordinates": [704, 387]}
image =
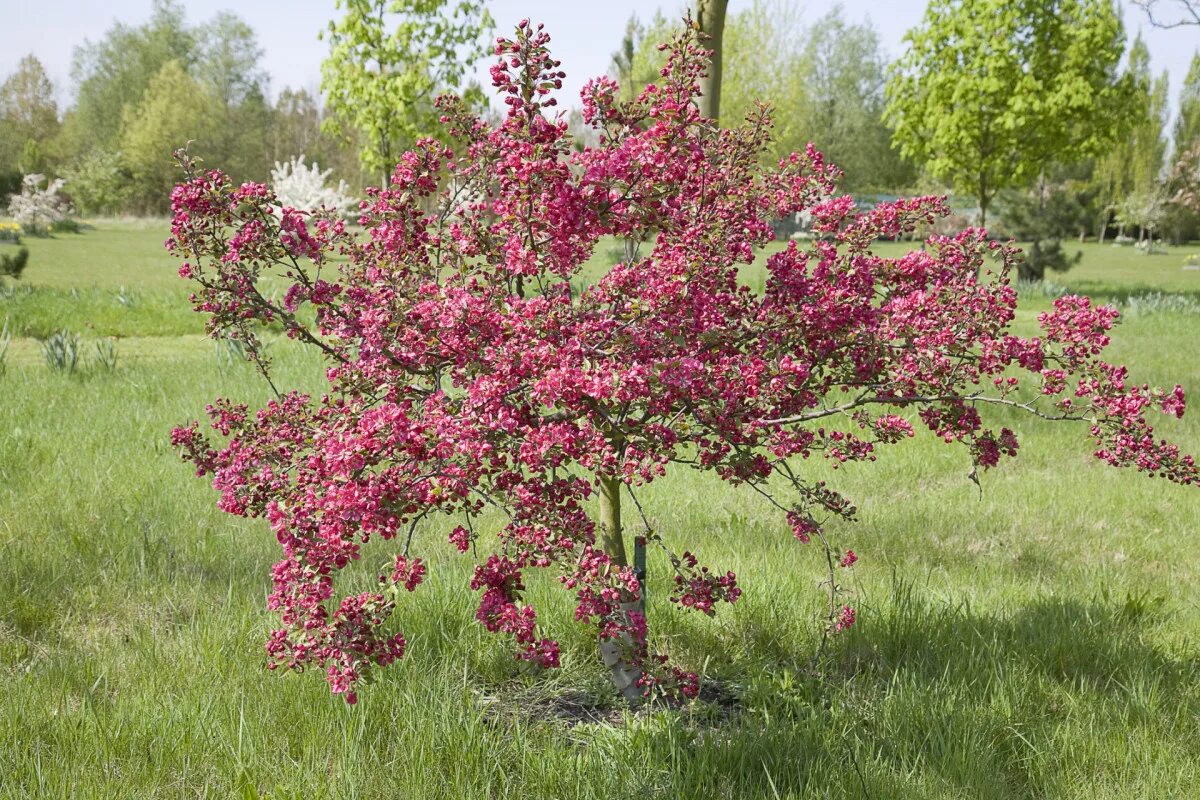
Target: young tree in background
{"type": "Point", "coordinates": [384, 84]}
{"type": "Point", "coordinates": [1132, 164]}
{"type": "Point", "coordinates": [992, 92]}
{"type": "Point", "coordinates": [28, 112]}
{"type": "Point", "coordinates": [1187, 124]}
{"type": "Point", "coordinates": [764, 61]}
{"type": "Point", "coordinates": [176, 108]}
{"type": "Point", "coordinates": [845, 83]}
{"type": "Point", "coordinates": [1184, 216]}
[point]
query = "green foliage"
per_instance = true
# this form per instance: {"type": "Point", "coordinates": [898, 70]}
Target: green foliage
{"type": "Point", "coordinates": [99, 182]}
{"type": "Point", "coordinates": [117, 140]}
{"type": "Point", "coordinates": [845, 91]}
{"type": "Point", "coordinates": [106, 354]}
{"type": "Point", "coordinates": [13, 264]}
{"type": "Point", "coordinates": [383, 85]}
{"type": "Point", "coordinates": [174, 110]}
{"type": "Point", "coordinates": [764, 59]}
{"type": "Point", "coordinates": [116, 71]}
{"type": "Point", "coordinates": [824, 82]}
{"type": "Point", "coordinates": [28, 115]}
{"type": "Point", "coordinates": [991, 92]}
{"type": "Point", "coordinates": [61, 351]}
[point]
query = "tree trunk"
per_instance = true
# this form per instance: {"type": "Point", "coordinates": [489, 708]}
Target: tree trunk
{"type": "Point", "coordinates": [625, 676]}
{"type": "Point", "coordinates": [710, 19]}
{"type": "Point", "coordinates": [612, 540]}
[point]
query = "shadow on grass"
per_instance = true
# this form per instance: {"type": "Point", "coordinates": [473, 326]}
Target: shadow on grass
{"type": "Point", "coordinates": [929, 700]}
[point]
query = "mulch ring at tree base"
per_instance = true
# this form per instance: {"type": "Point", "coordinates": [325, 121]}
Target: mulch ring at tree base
{"type": "Point", "coordinates": [716, 705]}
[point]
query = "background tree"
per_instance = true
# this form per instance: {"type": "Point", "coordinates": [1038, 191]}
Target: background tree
{"type": "Point", "coordinates": [115, 72]}
{"type": "Point", "coordinates": [645, 59]}
{"type": "Point", "coordinates": [1185, 180]}
{"type": "Point", "coordinates": [383, 84]}
{"type": "Point", "coordinates": [1147, 141]}
{"type": "Point", "coordinates": [175, 109]}
{"type": "Point", "coordinates": [228, 59]}
{"type": "Point", "coordinates": [1187, 124]}
{"type": "Point", "coordinates": [992, 92]}
{"type": "Point", "coordinates": [763, 60]}
{"type": "Point", "coordinates": [824, 82]}
{"type": "Point", "coordinates": [297, 126]}
{"type": "Point", "coordinates": [100, 182]}
{"type": "Point", "coordinates": [845, 79]}
{"type": "Point", "coordinates": [1132, 164]}
{"type": "Point", "coordinates": [624, 57]}
{"type": "Point", "coordinates": [28, 114]}
{"type": "Point", "coordinates": [1183, 221]}
{"type": "Point", "coordinates": [1043, 218]}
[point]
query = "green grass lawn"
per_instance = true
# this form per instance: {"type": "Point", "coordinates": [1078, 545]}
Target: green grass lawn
{"type": "Point", "coordinates": [1035, 640]}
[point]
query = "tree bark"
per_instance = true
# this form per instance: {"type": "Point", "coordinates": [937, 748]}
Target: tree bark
{"type": "Point", "coordinates": [612, 541]}
{"type": "Point", "coordinates": [710, 19]}
{"type": "Point", "coordinates": [625, 676]}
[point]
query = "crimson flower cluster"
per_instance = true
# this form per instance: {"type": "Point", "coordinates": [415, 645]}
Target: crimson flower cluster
{"type": "Point", "coordinates": [472, 368]}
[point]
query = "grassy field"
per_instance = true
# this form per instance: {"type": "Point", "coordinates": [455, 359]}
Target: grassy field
{"type": "Point", "coordinates": [1037, 640]}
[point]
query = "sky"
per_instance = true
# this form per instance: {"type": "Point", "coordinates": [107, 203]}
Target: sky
{"type": "Point", "coordinates": [584, 33]}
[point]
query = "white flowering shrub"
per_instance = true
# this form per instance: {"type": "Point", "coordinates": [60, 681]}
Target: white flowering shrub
{"type": "Point", "coordinates": [305, 187]}
{"type": "Point", "coordinates": [35, 209]}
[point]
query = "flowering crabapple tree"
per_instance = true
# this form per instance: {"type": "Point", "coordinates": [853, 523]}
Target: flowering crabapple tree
{"type": "Point", "coordinates": [468, 371]}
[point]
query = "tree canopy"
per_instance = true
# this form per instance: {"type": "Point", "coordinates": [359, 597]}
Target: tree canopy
{"type": "Point", "coordinates": [28, 113]}
{"type": "Point", "coordinates": [383, 83]}
{"type": "Point", "coordinates": [992, 92]}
